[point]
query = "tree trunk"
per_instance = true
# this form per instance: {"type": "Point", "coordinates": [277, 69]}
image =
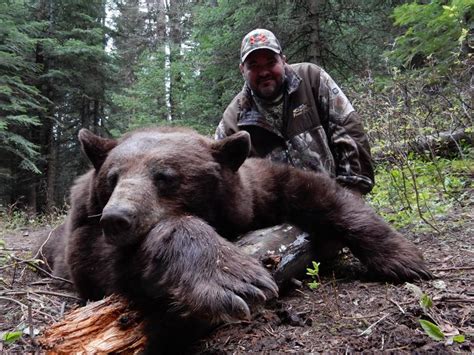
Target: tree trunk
{"type": "Point", "coordinates": [51, 173]}
{"type": "Point", "coordinates": [314, 18]}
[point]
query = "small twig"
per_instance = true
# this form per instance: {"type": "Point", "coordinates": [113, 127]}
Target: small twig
{"type": "Point", "coordinates": [269, 331]}
{"type": "Point", "coordinates": [453, 268]}
{"type": "Point", "coordinates": [374, 324]}
{"type": "Point", "coordinates": [14, 301]}
{"type": "Point", "coordinates": [336, 294]}
{"type": "Point", "coordinates": [42, 282]}
{"type": "Point", "coordinates": [39, 253]}
{"type": "Point", "coordinates": [41, 292]}
{"type": "Point", "coordinates": [15, 266]}
{"type": "Point", "coordinates": [33, 264]}
{"type": "Point", "coordinates": [362, 317]}
{"type": "Point", "coordinates": [448, 298]}
{"type": "Point", "coordinates": [396, 304]}
{"type": "Point", "coordinates": [52, 293]}
{"type": "Point", "coordinates": [30, 323]}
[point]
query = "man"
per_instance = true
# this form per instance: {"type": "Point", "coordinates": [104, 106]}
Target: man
{"type": "Point", "coordinates": [296, 114]}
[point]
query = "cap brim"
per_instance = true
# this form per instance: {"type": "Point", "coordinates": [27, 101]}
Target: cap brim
{"type": "Point", "coordinates": [277, 51]}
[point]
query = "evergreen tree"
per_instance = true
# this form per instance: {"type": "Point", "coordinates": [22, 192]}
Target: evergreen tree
{"type": "Point", "coordinates": [21, 103]}
{"type": "Point", "coordinates": [77, 71]}
{"type": "Point", "coordinates": [54, 72]}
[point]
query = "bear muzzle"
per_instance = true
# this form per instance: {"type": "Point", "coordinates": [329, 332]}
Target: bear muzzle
{"type": "Point", "coordinates": [118, 225]}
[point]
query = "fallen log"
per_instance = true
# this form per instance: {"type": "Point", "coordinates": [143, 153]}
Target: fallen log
{"type": "Point", "coordinates": [110, 326]}
{"type": "Point", "coordinates": [444, 144]}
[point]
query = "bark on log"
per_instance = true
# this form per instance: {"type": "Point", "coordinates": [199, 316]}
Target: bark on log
{"type": "Point", "coordinates": [109, 326]}
{"type": "Point", "coordinates": [284, 250]}
{"type": "Point", "coordinates": [101, 327]}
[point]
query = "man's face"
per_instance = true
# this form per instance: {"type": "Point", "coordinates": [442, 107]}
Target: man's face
{"type": "Point", "coordinates": [264, 72]}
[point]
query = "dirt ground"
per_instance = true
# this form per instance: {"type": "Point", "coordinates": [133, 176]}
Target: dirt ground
{"type": "Point", "coordinates": [345, 314]}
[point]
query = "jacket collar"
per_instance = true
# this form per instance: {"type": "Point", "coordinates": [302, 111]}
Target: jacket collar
{"type": "Point", "coordinates": [293, 80]}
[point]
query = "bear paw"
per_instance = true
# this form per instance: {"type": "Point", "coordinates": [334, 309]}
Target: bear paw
{"type": "Point", "coordinates": [398, 261]}
{"type": "Point", "coordinates": [203, 275]}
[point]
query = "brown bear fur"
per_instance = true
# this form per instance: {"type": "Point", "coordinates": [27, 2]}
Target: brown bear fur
{"type": "Point", "coordinates": [140, 223]}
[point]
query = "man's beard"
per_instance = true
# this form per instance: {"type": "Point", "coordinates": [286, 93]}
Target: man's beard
{"type": "Point", "coordinates": [269, 92]}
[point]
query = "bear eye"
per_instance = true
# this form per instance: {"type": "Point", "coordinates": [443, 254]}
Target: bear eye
{"type": "Point", "coordinates": [166, 179]}
{"type": "Point", "coordinates": [112, 178]}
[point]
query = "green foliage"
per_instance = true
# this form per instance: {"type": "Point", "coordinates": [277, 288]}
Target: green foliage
{"type": "Point", "coordinates": [20, 101]}
{"type": "Point", "coordinates": [436, 31]}
{"type": "Point", "coordinates": [57, 74]}
{"type": "Point", "coordinates": [406, 194]}
{"type": "Point", "coordinates": [14, 218]}
{"type": "Point", "coordinates": [426, 301]}
{"type": "Point", "coordinates": [314, 274]}
{"type": "Point", "coordinates": [459, 338]}
{"type": "Point", "coordinates": [432, 330]}
{"type": "Point", "coordinates": [11, 337]}
{"type": "Point", "coordinates": [402, 110]}
{"type": "Point", "coordinates": [436, 333]}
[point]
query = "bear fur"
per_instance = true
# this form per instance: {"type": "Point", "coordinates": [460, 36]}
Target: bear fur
{"type": "Point", "coordinates": [148, 222]}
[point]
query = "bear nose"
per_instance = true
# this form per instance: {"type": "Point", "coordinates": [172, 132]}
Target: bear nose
{"type": "Point", "coordinates": [116, 221]}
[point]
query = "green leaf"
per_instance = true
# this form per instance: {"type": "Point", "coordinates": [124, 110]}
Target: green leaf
{"type": "Point", "coordinates": [425, 301]}
{"type": "Point", "coordinates": [314, 271]}
{"type": "Point", "coordinates": [11, 337]}
{"type": "Point", "coordinates": [459, 338]}
{"type": "Point", "coordinates": [432, 330]}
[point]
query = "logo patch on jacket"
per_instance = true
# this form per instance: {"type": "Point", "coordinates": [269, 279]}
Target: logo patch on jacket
{"type": "Point", "coordinates": [300, 110]}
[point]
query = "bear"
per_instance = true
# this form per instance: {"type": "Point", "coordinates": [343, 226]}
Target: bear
{"type": "Point", "coordinates": [154, 217]}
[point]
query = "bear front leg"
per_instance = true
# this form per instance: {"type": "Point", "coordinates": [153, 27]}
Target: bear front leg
{"type": "Point", "coordinates": [314, 201]}
{"type": "Point", "coordinates": [202, 275]}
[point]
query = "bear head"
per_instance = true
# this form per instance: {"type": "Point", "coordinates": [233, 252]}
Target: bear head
{"type": "Point", "coordinates": [154, 173]}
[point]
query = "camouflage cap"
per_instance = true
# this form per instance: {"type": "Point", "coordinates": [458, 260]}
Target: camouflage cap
{"type": "Point", "coordinates": [258, 39]}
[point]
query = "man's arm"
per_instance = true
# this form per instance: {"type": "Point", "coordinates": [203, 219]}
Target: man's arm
{"type": "Point", "coordinates": [347, 138]}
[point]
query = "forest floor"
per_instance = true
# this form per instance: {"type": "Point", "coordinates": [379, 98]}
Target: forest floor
{"type": "Point", "coordinates": [345, 314]}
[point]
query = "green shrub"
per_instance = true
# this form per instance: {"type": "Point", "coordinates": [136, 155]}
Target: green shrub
{"type": "Point", "coordinates": [420, 192]}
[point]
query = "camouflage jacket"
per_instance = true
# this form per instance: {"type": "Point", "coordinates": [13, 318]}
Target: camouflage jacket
{"type": "Point", "coordinates": [321, 131]}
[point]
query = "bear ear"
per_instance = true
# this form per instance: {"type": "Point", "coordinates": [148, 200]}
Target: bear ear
{"type": "Point", "coordinates": [96, 148]}
{"type": "Point", "coordinates": [233, 150]}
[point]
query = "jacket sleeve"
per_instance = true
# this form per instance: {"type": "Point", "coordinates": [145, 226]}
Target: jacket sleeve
{"type": "Point", "coordinates": [347, 138]}
{"type": "Point", "coordinates": [228, 124]}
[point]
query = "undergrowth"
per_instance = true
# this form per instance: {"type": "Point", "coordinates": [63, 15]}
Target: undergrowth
{"type": "Point", "coordinates": [419, 193]}
{"type": "Point", "coordinates": [13, 219]}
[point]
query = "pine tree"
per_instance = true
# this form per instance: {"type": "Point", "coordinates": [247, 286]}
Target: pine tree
{"type": "Point", "coordinates": [21, 103]}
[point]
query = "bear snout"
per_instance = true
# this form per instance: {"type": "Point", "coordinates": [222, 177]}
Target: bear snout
{"type": "Point", "coordinates": [118, 225]}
